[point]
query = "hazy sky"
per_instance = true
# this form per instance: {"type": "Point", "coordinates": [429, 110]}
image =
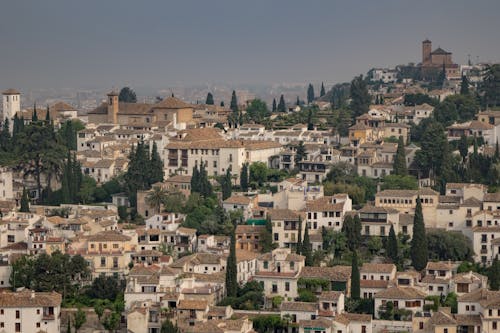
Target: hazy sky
{"type": "Point", "coordinates": [104, 43]}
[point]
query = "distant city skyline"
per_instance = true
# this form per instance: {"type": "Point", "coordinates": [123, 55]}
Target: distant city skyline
{"type": "Point", "coordinates": [164, 44]}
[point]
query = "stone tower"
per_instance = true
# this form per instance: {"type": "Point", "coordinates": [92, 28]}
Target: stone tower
{"type": "Point", "coordinates": [113, 107]}
{"type": "Point", "coordinates": [426, 52]}
{"type": "Point", "coordinates": [11, 104]}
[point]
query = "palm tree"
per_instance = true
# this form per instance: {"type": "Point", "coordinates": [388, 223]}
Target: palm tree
{"type": "Point", "coordinates": [156, 197]}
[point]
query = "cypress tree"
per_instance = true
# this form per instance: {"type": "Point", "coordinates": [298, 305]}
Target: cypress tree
{"type": "Point", "coordinates": [195, 180]}
{"type": "Point", "coordinates": [34, 117]}
{"type": "Point", "coordinates": [322, 92]}
{"type": "Point", "coordinates": [234, 102]}
{"type": "Point", "coordinates": [282, 104]}
{"type": "Point", "coordinates": [210, 99]}
{"type": "Point", "coordinates": [226, 184]}
{"type": "Point", "coordinates": [464, 86]}
{"type": "Point", "coordinates": [418, 250]}
{"type": "Point", "coordinates": [231, 269]}
{"type": "Point", "coordinates": [355, 279]}
{"type": "Point", "coordinates": [66, 195]}
{"type": "Point", "coordinates": [244, 177]}
{"type": "Point", "coordinates": [274, 105]}
{"type": "Point", "coordinates": [494, 274]}
{"type": "Point", "coordinates": [68, 329]}
{"type": "Point", "coordinates": [204, 182]}
{"type": "Point", "coordinates": [392, 246]}
{"type": "Point", "coordinates": [399, 165]}
{"type": "Point", "coordinates": [310, 94]}
{"type": "Point", "coordinates": [310, 125]}
{"type": "Point", "coordinates": [77, 178]}
{"type": "Point", "coordinates": [47, 115]}
{"type": "Point", "coordinates": [156, 166]}
{"type": "Point", "coordinates": [5, 139]}
{"type": "Point", "coordinates": [298, 101]}
{"type": "Point", "coordinates": [25, 202]}
{"type": "Point", "coordinates": [307, 248]}
{"type": "Point", "coordinates": [357, 230]}
{"type": "Point", "coordinates": [299, 238]}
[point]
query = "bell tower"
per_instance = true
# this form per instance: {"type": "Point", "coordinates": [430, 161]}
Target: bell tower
{"type": "Point", "coordinates": [426, 52]}
{"type": "Point", "coordinates": [112, 107]}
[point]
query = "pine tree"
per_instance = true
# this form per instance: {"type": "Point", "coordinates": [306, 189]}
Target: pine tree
{"type": "Point", "coordinates": [399, 165]}
{"type": "Point", "coordinates": [322, 92]}
{"type": "Point", "coordinates": [494, 274]}
{"type": "Point", "coordinates": [418, 250]}
{"type": "Point", "coordinates": [307, 248]}
{"type": "Point", "coordinates": [156, 166]}
{"type": "Point", "coordinates": [244, 177]}
{"type": "Point", "coordinates": [310, 94]}
{"type": "Point", "coordinates": [392, 246]}
{"type": "Point", "coordinates": [274, 105]}
{"type": "Point", "coordinates": [231, 269]}
{"type": "Point", "coordinates": [464, 86]}
{"type": "Point", "coordinates": [25, 202]}
{"type": "Point", "coordinates": [210, 99]}
{"type": "Point", "coordinates": [355, 279]}
{"type": "Point", "coordinates": [282, 104]}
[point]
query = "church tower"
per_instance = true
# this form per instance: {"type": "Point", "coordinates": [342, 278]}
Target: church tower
{"type": "Point", "coordinates": [113, 107]}
{"type": "Point", "coordinates": [11, 104]}
{"type": "Point", "coordinates": [426, 52]}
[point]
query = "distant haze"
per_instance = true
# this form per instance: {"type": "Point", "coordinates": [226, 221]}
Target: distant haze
{"type": "Point", "coordinates": [161, 44]}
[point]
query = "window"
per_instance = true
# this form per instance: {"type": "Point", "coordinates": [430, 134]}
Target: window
{"type": "Point", "coordinates": [18, 314]}
{"type": "Point", "coordinates": [494, 324]}
{"type": "Point", "coordinates": [18, 327]}
{"type": "Point", "coordinates": [103, 261]}
{"type": "Point", "coordinates": [266, 265]}
{"type": "Point", "coordinates": [287, 286]}
{"type": "Point", "coordinates": [445, 330]}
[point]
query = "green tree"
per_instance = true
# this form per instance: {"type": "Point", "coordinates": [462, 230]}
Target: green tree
{"type": "Point", "coordinates": [68, 328]}
{"type": "Point", "coordinates": [399, 166]}
{"type": "Point", "coordinates": [274, 105]}
{"type": "Point", "coordinates": [298, 245]}
{"type": "Point", "coordinates": [395, 182]}
{"type": "Point", "coordinates": [494, 274]}
{"type": "Point", "coordinates": [258, 173]}
{"type": "Point", "coordinates": [210, 99]}
{"type": "Point", "coordinates": [430, 156]}
{"type": "Point", "coordinates": [111, 321]}
{"type": "Point", "coordinates": [244, 177]}
{"type": "Point", "coordinates": [392, 246]}
{"type": "Point", "coordinates": [282, 104]}
{"type": "Point", "coordinates": [257, 111]}
{"type": "Point", "coordinates": [375, 244]}
{"type": "Point", "coordinates": [355, 278]}
{"type": "Point", "coordinates": [310, 94]}
{"type": "Point", "coordinates": [418, 251]}
{"type": "Point", "coordinates": [307, 248]}
{"type": "Point", "coordinates": [127, 95]}
{"type": "Point", "coordinates": [231, 269]}
{"type": "Point", "coordinates": [168, 327]}
{"type": "Point", "coordinates": [490, 87]}
{"type": "Point", "coordinates": [463, 147]}
{"type": "Point", "coordinates": [310, 124]}
{"type": "Point", "coordinates": [447, 245]}
{"type": "Point", "coordinates": [300, 152]}
{"type": "Point", "coordinates": [79, 319]}
{"type": "Point", "coordinates": [322, 91]}
{"type": "Point", "coordinates": [360, 98]}
{"type": "Point", "coordinates": [25, 202]}
{"type": "Point", "coordinates": [266, 237]}
{"type": "Point", "coordinates": [352, 230]}
{"type": "Point", "coordinates": [464, 86]}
